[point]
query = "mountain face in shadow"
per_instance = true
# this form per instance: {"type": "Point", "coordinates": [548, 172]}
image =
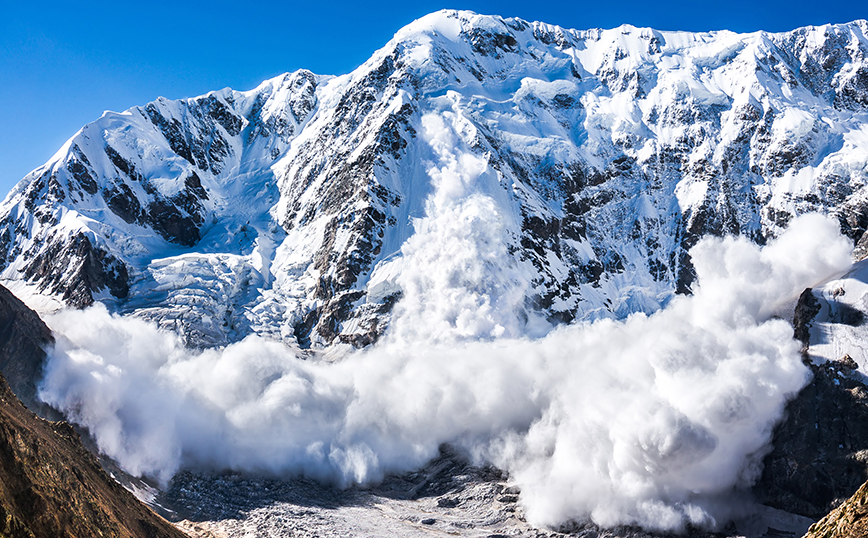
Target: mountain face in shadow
{"type": "Point", "coordinates": [23, 339]}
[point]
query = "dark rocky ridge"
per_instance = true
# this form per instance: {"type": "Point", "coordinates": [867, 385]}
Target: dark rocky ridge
{"type": "Point", "coordinates": [807, 308]}
{"type": "Point", "coordinates": [74, 269]}
{"type": "Point", "coordinates": [820, 448]}
{"type": "Point", "coordinates": [23, 340]}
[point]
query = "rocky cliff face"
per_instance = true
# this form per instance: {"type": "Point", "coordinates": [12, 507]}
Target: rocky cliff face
{"type": "Point", "coordinates": [23, 340]}
{"type": "Point", "coordinates": [820, 453]}
{"type": "Point", "coordinates": [579, 167]}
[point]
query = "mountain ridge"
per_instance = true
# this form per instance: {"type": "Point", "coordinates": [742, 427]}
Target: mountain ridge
{"type": "Point", "coordinates": [478, 178]}
{"type": "Point", "coordinates": [593, 160]}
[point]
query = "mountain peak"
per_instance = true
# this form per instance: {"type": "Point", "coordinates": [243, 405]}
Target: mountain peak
{"type": "Point", "coordinates": [449, 23]}
{"type": "Point", "coordinates": [604, 155]}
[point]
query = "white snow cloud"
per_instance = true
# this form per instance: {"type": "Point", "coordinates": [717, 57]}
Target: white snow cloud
{"type": "Point", "coordinates": [653, 420]}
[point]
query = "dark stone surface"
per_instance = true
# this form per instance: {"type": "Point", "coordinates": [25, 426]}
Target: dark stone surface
{"type": "Point", "coordinates": [78, 166]}
{"type": "Point", "coordinates": [75, 269]}
{"type": "Point", "coordinates": [172, 225]}
{"type": "Point", "coordinates": [806, 310]}
{"type": "Point", "coordinates": [821, 447]}
{"type": "Point", "coordinates": [123, 203]}
{"type": "Point", "coordinates": [23, 340]}
{"type": "Point", "coordinates": [173, 132]}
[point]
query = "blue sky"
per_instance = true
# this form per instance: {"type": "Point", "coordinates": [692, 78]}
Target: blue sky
{"type": "Point", "coordinates": [63, 63]}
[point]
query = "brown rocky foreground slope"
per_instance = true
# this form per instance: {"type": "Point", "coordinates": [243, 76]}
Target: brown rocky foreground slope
{"type": "Point", "coordinates": [850, 520]}
{"type": "Point", "coordinates": [50, 485]}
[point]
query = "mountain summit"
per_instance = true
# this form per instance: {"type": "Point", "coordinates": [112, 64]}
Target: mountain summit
{"type": "Point", "coordinates": [517, 175]}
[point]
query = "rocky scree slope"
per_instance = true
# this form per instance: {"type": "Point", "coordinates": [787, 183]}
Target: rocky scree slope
{"type": "Point", "coordinates": [525, 173]}
{"type": "Point", "coordinates": [447, 497]}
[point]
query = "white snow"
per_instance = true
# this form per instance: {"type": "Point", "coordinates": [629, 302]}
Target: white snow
{"type": "Point", "coordinates": [459, 143]}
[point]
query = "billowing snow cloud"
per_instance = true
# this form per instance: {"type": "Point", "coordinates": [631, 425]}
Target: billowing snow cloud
{"type": "Point", "coordinates": [653, 420]}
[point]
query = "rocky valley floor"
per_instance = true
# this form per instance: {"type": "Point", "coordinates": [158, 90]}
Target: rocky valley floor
{"type": "Point", "coordinates": [449, 497]}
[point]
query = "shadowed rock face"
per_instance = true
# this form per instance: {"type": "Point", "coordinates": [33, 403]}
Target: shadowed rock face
{"type": "Point", "coordinates": [820, 454]}
{"type": "Point", "coordinates": [23, 339]}
{"type": "Point", "coordinates": [807, 308]}
{"type": "Point", "coordinates": [51, 486]}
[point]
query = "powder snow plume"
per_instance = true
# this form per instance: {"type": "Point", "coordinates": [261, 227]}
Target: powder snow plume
{"type": "Point", "coordinates": [653, 420]}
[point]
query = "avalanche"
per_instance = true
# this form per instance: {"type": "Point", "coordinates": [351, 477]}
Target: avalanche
{"type": "Point", "coordinates": [658, 420]}
{"type": "Point", "coordinates": [541, 244]}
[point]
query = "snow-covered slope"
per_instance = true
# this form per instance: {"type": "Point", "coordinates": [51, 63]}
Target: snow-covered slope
{"type": "Point", "coordinates": [484, 176]}
{"type": "Point", "coordinates": [835, 324]}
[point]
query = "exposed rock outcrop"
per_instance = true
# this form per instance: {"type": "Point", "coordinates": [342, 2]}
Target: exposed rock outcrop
{"type": "Point", "coordinates": [23, 339]}
{"type": "Point", "coordinates": [850, 520]}
{"type": "Point", "coordinates": [807, 308]}
{"type": "Point", "coordinates": [820, 454]}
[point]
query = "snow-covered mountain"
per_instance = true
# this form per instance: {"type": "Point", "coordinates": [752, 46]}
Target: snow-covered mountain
{"type": "Point", "coordinates": [516, 174]}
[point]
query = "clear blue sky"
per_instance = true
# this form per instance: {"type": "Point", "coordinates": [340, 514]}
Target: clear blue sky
{"type": "Point", "coordinates": [63, 63]}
